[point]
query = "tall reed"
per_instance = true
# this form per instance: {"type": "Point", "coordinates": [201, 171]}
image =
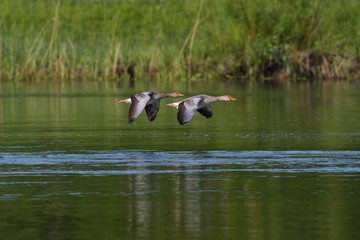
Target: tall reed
{"type": "Point", "coordinates": [232, 39]}
{"type": "Point", "coordinates": [1, 47]}
{"type": "Point", "coordinates": [192, 39]}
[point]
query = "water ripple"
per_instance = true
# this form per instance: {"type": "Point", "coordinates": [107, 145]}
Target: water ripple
{"type": "Point", "coordinates": [146, 162]}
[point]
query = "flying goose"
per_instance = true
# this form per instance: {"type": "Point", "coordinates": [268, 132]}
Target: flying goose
{"type": "Point", "coordinates": [148, 100]}
{"type": "Point", "coordinates": [200, 103]}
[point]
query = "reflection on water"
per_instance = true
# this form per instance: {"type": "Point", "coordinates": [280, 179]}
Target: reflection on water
{"type": "Point", "coordinates": [291, 116]}
{"type": "Point", "coordinates": [282, 161]}
{"type": "Point", "coordinates": [201, 194]}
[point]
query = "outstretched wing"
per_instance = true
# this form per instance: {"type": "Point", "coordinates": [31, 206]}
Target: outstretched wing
{"type": "Point", "coordinates": [187, 109]}
{"type": "Point", "coordinates": [206, 111]}
{"type": "Point", "coordinates": [138, 103]}
{"type": "Point", "coordinates": [152, 110]}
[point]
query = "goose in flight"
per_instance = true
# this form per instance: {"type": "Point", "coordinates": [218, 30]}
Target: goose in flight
{"type": "Point", "coordinates": [201, 103]}
{"type": "Point", "coordinates": [148, 100]}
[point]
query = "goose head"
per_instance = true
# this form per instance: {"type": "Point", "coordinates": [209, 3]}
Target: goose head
{"type": "Point", "coordinates": [225, 98]}
{"type": "Point", "coordinates": [174, 94]}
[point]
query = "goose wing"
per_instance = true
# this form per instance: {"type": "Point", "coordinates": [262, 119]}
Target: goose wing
{"type": "Point", "coordinates": [138, 103]}
{"type": "Point", "coordinates": [206, 111]}
{"type": "Point", "coordinates": [152, 110]}
{"type": "Point", "coordinates": [187, 109]}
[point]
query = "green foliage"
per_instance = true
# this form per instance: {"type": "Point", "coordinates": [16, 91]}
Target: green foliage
{"type": "Point", "coordinates": [94, 39]}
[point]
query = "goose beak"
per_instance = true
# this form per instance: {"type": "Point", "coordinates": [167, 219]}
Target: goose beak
{"type": "Point", "coordinates": [172, 105]}
{"type": "Point", "coordinates": [181, 95]}
{"type": "Point", "coordinates": [232, 99]}
{"type": "Point", "coordinates": [125, 101]}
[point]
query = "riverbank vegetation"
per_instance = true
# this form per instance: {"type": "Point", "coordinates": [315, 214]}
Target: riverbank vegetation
{"type": "Point", "coordinates": [169, 39]}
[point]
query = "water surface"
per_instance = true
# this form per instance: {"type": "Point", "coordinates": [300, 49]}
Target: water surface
{"type": "Point", "coordinates": [282, 162]}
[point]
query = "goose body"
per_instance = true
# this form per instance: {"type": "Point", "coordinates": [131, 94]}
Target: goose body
{"type": "Point", "coordinates": [148, 100]}
{"type": "Point", "coordinates": [201, 103]}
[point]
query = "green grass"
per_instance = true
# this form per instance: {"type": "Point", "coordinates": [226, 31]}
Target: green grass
{"type": "Point", "coordinates": [72, 39]}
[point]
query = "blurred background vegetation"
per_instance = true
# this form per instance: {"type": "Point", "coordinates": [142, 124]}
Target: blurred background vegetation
{"type": "Point", "coordinates": [169, 39]}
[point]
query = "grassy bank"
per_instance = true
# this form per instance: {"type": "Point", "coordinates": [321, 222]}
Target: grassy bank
{"type": "Point", "coordinates": [72, 39]}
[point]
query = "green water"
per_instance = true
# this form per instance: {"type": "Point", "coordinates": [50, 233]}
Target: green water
{"type": "Point", "coordinates": [281, 162]}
